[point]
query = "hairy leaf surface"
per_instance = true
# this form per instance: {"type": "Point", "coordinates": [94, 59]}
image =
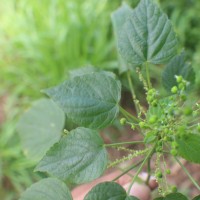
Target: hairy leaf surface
{"type": "Point", "coordinates": [40, 127]}
{"type": "Point", "coordinates": [177, 66]}
{"type": "Point", "coordinates": [108, 191]}
{"type": "Point", "coordinates": [79, 157]}
{"type": "Point", "coordinates": [90, 100]}
{"type": "Point", "coordinates": [147, 36]}
{"type": "Point", "coordinates": [189, 147]}
{"type": "Point", "coordinates": [47, 189]}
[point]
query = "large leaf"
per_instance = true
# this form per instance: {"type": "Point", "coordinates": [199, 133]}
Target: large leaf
{"type": "Point", "coordinates": [177, 66]}
{"type": "Point", "coordinates": [79, 157]}
{"type": "Point", "coordinates": [90, 100]}
{"type": "Point", "coordinates": [189, 147]}
{"type": "Point", "coordinates": [147, 36]}
{"type": "Point", "coordinates": [173, 196]}
{"type": "Point", "coordinates": [40, 127]}
{"type": "Point", "coordinates": [47, 189]}
{"type": "Point", "coordinates": [108, 191]}
{"type": "Point", "coordinates": [118, 20]}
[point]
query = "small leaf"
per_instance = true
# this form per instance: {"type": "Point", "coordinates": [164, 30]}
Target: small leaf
{"type": "Point", "coordinates": [177, 66]}
{"type": "Point", "coordinates": [40, 127]}
{"type": "Point", "coordinates": [147, 36]}
{"type": "Point", "coordinates": [175, 196]}
{"type": "Point", "coordinates": [150, 137]}
{"type": "Point", "coordinates": [90, 100]}
{"type": "Point", "coordinates": [196, 198]}
{"type": "Point", "coordinates": [108, 191]}
{"type": "Point", "coordinates": [79, 157]}
{"type": "Point", "coordinates": [47, 189]}
{"type": "Point", "coordinates": [188, 147]}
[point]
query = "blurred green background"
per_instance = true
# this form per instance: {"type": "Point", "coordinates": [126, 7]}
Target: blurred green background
{"type": "Point", "coordinates": [41, 41]}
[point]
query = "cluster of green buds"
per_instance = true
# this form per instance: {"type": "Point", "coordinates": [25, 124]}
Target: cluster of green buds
{"type": "Point", "coordinates": [152, 95]}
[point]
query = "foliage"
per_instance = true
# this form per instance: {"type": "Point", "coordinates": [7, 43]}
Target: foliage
{"type": "Point", "coordinates": [169, 126]}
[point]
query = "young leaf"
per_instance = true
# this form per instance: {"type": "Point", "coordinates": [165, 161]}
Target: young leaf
{"type": "Point", "coordinates": [79, 157]}
{"type": "Point", "coordinates": [40, 127]}
{"type": "Point", "coordinates": [173, 196]}
{"type": "Point", "coordinates": [177, 66]}
{"type": "Point", "coordinates": [188, 147]}
{"type": "Point", "coordinates": [147, 36]}
{"type": "Point", "coordinates": [90, 100]}
{"type": "Point", "coordinates": [47, 189]}
{"type": "Point", "coordinates": [108, 191]}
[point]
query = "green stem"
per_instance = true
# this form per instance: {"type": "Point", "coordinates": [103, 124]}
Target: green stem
{"type": "Point", "coordinates": [132, 91]}
{"type": "Point", "coordinates": [140, 168]}
{"type": "Point", "coordinates": [147, 75]}
{"type": "Point", "coordinates": [149, 171]}
{"type": "Point", "coordinates": [127, 114]}
{"type": "Point", "coordinates": [189, 175]}
{"type": "Point", "coordinates": [123, 143]}
{"type": "Point", "coordinates": [127, 170]}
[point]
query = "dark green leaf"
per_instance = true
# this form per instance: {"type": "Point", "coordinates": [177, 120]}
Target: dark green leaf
{"type": "Point", "coordinates": [196, 198]}
{"type": "Point", "coordinates": [40, 127]}
{"type": "Point", "coordinates": [177, 66]}
{"type": "Point", "coordinates": [189, 147]}
{"type": "Point", "coordinates": [47, 189]}
{"type": "Point", "coordinates": [90, 100]}
{"type": "Point", "coordinates": [147, 36]}
{"type": "Point", "coordinates": [108, 191]}
{"type": "Point", "coordinates": [79, 157]}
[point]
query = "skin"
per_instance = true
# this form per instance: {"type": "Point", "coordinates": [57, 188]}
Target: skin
{"type": "Point", "coordinates": [141, 191]}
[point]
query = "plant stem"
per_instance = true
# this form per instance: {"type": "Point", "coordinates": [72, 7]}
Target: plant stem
{"type": "Point", "coordinates": [147, 75]}
{"type": "Point", "coordinates": [127, 114]}
{"type": "Point", "coordinates": [127, 170]}
{"type": "Point", "coordinates": [123, 143]}
{"type": "Point", "coordinates": [132, 91]}
{"type": "Point", "coordinates": [140, 168]}
{"type": "Point", "coordinates": [186, 171]}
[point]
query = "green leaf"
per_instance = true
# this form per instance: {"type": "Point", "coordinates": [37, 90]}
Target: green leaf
{"type": "Point", "coordinates": [108, 191]}
{"type": "Point", "coordinates": [118, 20]}
{"type": "Point", "coordinates": [40, 127]}
{"type": "Point", "coordinates": [196, 198]}
{"type": "Point", "coordinates": [147, 36]}
{"type": "Point", "coordinates": [177, 66]}
{"type": "Point", "coordinates": [47, 189]}
{"type": "Point", "coordinates": [79, 157]}
{"type": "Point", "coordinates": [189, 147]}
{"type": "Point", "coordinates": [90, 100]}
{"type": "Point", "coordinates": [173, 196]}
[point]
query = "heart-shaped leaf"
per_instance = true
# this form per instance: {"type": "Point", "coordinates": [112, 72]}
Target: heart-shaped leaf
{"type": "Point", "coordinates": [147, 36]}
{"type": "Point", "coordinates": [40, 127]}
{"type": "Point", "coordinates": [108, 191]}
{"type": "Point", "coordinates": [47, 189]}
{"type": "Point", "coordinates": [90, 100]}
{"type": "Point", "coordinates": [188, 147]}
{"type": "Point", "coordinates": [79, 157]}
